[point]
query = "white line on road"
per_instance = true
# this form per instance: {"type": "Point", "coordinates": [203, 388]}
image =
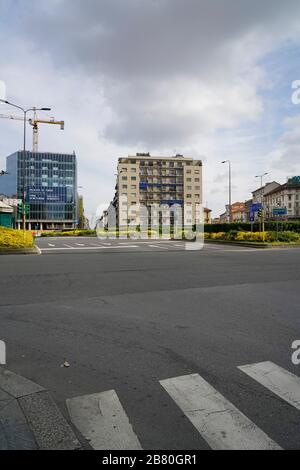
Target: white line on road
{"type": "Point", "coordinates": [157, 246]}
{"type": "Point", "coordinates": [79, 244]}
{"type": "Point", "coordinates": [69, 246]}
{"type": "Point", "coordinates": [218, 421]}
{"type": "Point", "coordinates": [89, 248]}
{"type": "Point", "coordinates": [50, 244]}
{"type": "Point", "coordinates": [103, 421]}
{"type": "Point", "coordinates": [276, 379]}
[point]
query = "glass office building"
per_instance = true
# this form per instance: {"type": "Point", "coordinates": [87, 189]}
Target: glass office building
{"type": "Point", "coordinates": [50, 182]}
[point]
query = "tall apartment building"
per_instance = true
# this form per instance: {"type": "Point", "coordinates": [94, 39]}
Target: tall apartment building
{"type": "Point", "coordinates": [50, 183]}
{"type": "Point", "coordinates": [146, 181]}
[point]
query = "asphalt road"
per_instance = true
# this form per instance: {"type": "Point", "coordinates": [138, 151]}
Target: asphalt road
{"type": "Point", "coordinates": [129, 319]}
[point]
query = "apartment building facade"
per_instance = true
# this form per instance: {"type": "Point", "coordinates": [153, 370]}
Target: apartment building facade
{"type": "Point", "coordinates": [146, 182]}
{"type": "Point", "coordinates": [284, 196]}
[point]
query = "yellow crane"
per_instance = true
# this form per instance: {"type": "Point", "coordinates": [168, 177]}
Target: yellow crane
{"type": "Point", "coordinates": [35, 123]}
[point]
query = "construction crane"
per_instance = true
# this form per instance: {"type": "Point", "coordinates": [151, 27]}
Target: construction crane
{"type": "Point", "coordinates": [34, 123]}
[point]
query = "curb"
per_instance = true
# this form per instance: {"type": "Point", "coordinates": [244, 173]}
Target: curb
{"type": "Point", "coordinates": [250, 245]}
{"type": "Point", "coordinates": [20, 251]}
{"type": "Point", "coordinates": [29, 417]}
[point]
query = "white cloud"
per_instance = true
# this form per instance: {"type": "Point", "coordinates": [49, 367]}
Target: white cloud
{"type": "Point", "coordinates": [154, 75]}
{"type": "Point", "coordinates": [286, 155]}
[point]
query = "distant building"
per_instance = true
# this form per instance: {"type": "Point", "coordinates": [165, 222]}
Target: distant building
{"type": "Point", "coordinates": [224, 218]}
{"type": "Point", "coordinates": [285, 196]}
{"type": "Point", "coordinates": [248, 211]}
{"type": "Point", "coordinates": [6, 215]}
{"type": "Point", "coordinates": [207, 215]}
{"type": "Point", "coordinates": [145, 182]}
{"type": "Point", "coordinates": [50, 183]}
{"type": "Point", "coordinates": [238, 212]}
{"type": "Point", "coordinates": [259, 193]}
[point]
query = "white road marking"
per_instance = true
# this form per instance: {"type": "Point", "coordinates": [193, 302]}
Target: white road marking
{"type": "Point", "coordinates": [218, 421]}
{"type": "Point", "coordinates": [50, 244]}
{"type": "Point", "coordinates": [89, 248]}
{"type": "Point", "coordinates": [282, 383]}
{"type": "Point", "coordinates": [157, 246]}
{"type": "Point", "coordinates": [69, 246]}
{"type": "Point", "coordinates": [79, 244]}
{"type": "Point", "coordinates": [102, 420]}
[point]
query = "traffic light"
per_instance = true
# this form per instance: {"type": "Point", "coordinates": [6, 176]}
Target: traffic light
{"type": "Point", "coordinates": [259, 213]}
{"type": "Point", "coordinates": [20, 209]}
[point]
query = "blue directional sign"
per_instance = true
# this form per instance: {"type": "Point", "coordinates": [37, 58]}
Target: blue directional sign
{"type": "Point", "coordinates": [279, 211]}
{"type": "Point", "coordinates": [252, 216]}
{"type": "Point", "coordinates": [256, 207]}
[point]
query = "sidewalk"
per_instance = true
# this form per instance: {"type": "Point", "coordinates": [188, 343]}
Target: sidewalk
{"type": "Point", "coordinates": [29, 418]}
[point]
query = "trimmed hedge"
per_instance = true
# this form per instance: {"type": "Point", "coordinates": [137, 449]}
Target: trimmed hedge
{"type": "Point", "coordinates": [242, 236]}
{"type": "Point", "coordinates": [10, 238]}
{"type": "Point", "coordinates": [70, 233]}
{"type": "Point", "coordinates": [284, 226]}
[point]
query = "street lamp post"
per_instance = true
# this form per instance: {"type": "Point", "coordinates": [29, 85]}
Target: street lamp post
{"type": "Point", "coordinates": [25, 111]}
{"type": "Point", "coordinates": [229, 188]}
{"type": "Point", "coordinates": [262, 203]}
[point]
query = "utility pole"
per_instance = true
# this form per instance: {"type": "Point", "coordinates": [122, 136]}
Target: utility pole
{"type": "Point", "coordinates": [262, 203]}
{"type": "Point", "coordinates": [229, 188]}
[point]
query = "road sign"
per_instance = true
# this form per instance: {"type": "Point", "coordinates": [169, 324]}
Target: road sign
{"type": "Point", "coordinates": [256, 207]}
{"type": "Point", "coordinates": [279, 211]}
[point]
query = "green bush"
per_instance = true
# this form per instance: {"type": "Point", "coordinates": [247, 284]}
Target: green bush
{"type": "Point", "coordinates": [284, 226]}
{"type": "Point", "coordinates": [70, 233]}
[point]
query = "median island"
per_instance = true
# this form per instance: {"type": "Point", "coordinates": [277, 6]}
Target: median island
{"type": "Point", "coordinates": [269, 238]}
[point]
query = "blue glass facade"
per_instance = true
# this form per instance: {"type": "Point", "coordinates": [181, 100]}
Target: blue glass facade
{"type": "Point", "coordinates": [50, 182]}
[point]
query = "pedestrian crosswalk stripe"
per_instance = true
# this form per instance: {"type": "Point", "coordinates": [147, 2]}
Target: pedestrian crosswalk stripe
{"type": "Point", "coordinates": [102, 420]}
{"type": "Point", "coordinates": [276, 379]}
{"type": "Point", "coordinates": [218, 421]}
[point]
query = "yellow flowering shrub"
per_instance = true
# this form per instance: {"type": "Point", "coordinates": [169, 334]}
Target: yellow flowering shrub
{"type": "Point", "coordinates": [270, 237]}
{"type": "Point", "coordinates": [10, 238]}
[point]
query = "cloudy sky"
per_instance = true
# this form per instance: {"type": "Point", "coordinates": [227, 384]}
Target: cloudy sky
{"type": "Point", "coordinates": [211, 79]}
